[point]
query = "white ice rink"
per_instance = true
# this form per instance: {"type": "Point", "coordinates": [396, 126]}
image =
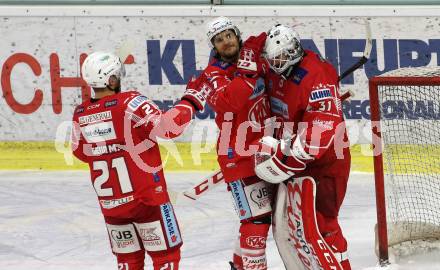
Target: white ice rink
{"type": "Point", "coordinates": [51, 220]}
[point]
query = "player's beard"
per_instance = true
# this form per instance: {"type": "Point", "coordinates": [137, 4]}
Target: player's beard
{"type": "Point", "coordinates": [230, 54]}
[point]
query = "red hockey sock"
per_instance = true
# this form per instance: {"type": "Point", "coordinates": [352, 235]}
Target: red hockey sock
{"type": "Point", "coordinates": [131, 261]}
{"type": "Point", "coordinates": [236, 258]}
{"type": "Point", "coordinates": [166, 260]}
{"type": "Point", "coordinates": [253, 245]}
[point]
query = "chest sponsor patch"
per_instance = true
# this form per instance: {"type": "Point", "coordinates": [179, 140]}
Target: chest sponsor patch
{"type": "Point", "coordinates": [279, 107]}
{"type": "Point", "coordinates": [299, 75]}
{"type": "Point", "coordinates": [99, 132]}
{"type": "Point", "coordinates": [320, 94]}
{"type": "Point", "coordinates": [94, 118]}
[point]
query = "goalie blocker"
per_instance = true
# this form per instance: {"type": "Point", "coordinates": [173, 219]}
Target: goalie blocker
{"type": "Point", "coordinates": [295, 228]}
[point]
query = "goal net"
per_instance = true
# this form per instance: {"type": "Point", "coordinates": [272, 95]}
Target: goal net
{"type": "Point", "coordinates": [405, 115]}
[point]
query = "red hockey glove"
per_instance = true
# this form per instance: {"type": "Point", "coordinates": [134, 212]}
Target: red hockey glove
{"type": "Point", "coordinates": [197, 91]}
{"type": "Point", "coordinates": [276, 161]}
{"type": "Point", "coordinates": [250, 63]}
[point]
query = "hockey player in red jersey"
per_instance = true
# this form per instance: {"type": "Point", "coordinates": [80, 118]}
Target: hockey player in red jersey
{"type": "Point", "coordinates": [303, 90]}
{"type": "Point", "coordinates": [115, 133]}
{"type": "Point", "coordinates": [241, 105]}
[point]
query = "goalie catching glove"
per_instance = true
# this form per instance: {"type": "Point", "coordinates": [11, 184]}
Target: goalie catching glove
{"type": "Point", "coordinates": [278, 160]}
{"type": "Point", "coordinates": [197, 91]}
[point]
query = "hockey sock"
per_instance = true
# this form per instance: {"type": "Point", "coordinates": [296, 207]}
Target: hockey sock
{"type": "Point", "coordinates": [166, 260]}
{"type": "Point", "coordinates": [131, 261]}
{"type": "Point", "coordinates": [253, 245]}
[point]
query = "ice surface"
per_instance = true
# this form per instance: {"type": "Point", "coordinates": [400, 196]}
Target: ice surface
{"type": "Point", "coordinates": [51, 221]}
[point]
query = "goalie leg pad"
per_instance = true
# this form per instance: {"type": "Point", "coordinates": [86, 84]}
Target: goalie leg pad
{"type": "Point", "coordinates": [306, 241]}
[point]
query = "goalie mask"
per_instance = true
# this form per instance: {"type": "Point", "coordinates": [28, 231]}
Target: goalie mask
{"type": "Point", "coordinates": [98, 67]}
{"type": "Point", "coordinates": [283, 49]}
{"type": "Point", "coordinates": [219, 25]}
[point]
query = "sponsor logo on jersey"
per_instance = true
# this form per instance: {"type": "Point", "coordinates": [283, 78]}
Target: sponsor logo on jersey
{"type": "Point", "coordinates": [123, 238]}
{"type": "Point", "coordinates": [109, 204]}
{"type": "Point", "coordinates": [171, 229]}
{"type": "Point", "coordinates": [105, 149]}
{"type": "Point", "coordinates": [239, 196]}
{"type": "Point", "coordinates": [299, 75]}
{"type": "Point", "coordinates": [279, 107]}
{"type": "Point", "coordinates": [100, 132]}
{"type": "Point", "coordinates": [327, 125]}
{"type": "Point", "coordinates": [320, 94]}
{"type": "Point", "coordinates": [260, 196]}
{"type": "Point", "coordinates": [93, 106]}
{"type": "Point", "coordinates": [152, 236]}
{"type": "Point", "coordinates": [111, 103]}
{"type": "Point", "coordinates": [136, 102]}
{"type": "Point", "coordinates": [256, 241]}
{"type": "Point", "coordinates": [96, 117]}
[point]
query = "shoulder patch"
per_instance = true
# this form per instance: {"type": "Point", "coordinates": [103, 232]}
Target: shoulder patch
{"type": "Point", "coordinates": [111, 103]}
{"type": "Point", "coordinates": [298, 75]}
{"type": "Point", "coordinates": [258, 88]}
{"type": "Point", "coordinates": [79, 109]}
{"type": "Point", "coordinates": [320, 94]}
{"type": "Point", "coordinates": [136, 102]}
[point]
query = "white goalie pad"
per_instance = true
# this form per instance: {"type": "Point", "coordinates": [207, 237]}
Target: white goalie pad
{"type": "Point", "coordinates": [295, 230]}
{"type": "Point", "coordinates": [281, 232]}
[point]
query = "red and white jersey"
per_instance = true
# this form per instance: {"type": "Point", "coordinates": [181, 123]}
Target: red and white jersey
{"type": "Point", "coordinates": [240, 115]}
{"type": "Point", "coordinates": [309, 106]}
{"type": "Point", "coordinates": [116, 136]}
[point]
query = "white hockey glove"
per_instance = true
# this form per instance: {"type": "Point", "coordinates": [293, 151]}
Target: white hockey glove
{"type": "Point", "coordinates": [276, 161]}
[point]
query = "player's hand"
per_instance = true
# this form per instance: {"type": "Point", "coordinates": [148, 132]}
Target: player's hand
{"type": "Point", "coordinates": [250, 63]}
{"type": "Point", "coordinates": [197, 91]}
{"type": "Point", "coordinates": [276, 162]}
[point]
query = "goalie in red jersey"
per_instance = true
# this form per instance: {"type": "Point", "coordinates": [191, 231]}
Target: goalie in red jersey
{"type": "Point", "coordinates": [237, 95]}
{"type": "Point", "coordinates": [312, 143]}
{"type": "Point", "coordinates": [116, 134]}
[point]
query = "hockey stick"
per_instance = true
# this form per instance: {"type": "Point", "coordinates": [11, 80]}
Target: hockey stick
{"type": "Point", "coordinates": [197, 191]}
{"type": "Point", "coordinates": [203, 187]}
{"type": "Point", "coordinates": [360, 62]}
{"type": "Point", "coordinates": [125, 50]}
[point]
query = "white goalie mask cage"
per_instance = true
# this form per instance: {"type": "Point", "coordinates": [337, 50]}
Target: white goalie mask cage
{"type": "Point", "coordinates": [282, 48]}
{"type": "Point", "coordinates": [98, 67]}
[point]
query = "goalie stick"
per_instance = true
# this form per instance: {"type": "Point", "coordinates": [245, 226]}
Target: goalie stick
{"type": "Point", "coordinates": [360, 62]}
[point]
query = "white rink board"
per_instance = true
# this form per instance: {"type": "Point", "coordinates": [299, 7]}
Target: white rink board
{"type": "Point", "coordinates": [169, 49]}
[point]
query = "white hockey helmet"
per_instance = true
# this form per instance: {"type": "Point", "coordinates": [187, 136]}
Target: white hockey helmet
{"type": "Point", "coordinates": [282, 48]}
{"type": "Point", "coordinates": [98, 67]}
{"type": "Point", "coordinates": [219, 25]}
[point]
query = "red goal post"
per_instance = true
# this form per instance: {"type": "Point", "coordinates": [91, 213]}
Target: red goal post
{"type": "Point", "coordinates": [405, 122]}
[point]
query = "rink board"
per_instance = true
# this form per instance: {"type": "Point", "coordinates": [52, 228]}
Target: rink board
{"type": "Point", "coordinates": [40, 76]}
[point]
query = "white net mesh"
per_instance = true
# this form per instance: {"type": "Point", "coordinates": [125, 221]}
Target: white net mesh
{"type": "Point", "coordinates": [410, 122]}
